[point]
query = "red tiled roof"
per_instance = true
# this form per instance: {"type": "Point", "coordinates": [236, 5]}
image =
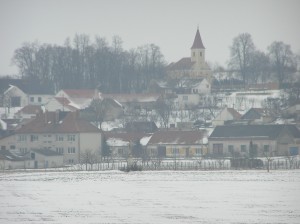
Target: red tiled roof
{"type": "Point", "coordinates": [176, 138]}
{"type": "Point", "coordinates": [182, 64]}
{"type": "Point", "coordinates": [234, 113]}
{"type": "Point", "coordinates": [140, 98]}
{"type": "Point", "coordinates": [197, 41]}
{"type": "Point", "coordinates": [30, 109]}
{"type": "Point", "coordinates": [80, 93]}
{"type": "Point", "coordinates": [50, 122]}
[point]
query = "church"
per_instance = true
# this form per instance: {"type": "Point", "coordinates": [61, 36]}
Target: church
{"type": "Point", "coordinates": [194, 67]}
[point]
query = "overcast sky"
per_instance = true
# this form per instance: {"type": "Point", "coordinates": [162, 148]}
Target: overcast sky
{"type": "Point", "coordinates": [170, 24]}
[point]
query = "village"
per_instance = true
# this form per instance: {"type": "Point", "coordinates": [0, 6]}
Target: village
{"type": "Point", "coordinates": [193, 117]}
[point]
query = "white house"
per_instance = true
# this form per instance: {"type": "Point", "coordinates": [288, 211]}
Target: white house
{"type": "Point", "coordinates": [227, 114]}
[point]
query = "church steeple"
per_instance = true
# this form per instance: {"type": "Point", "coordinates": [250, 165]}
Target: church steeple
{"type": "Point", "coordinates": [197, 41]}
{"type": "Point", "coordinates": [198, 50]}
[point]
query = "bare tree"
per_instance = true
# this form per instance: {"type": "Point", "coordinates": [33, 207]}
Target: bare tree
{"type": "Point", "coordinates": [241, 52]}
{"type": "Point", "coordinates": [163, 107]}
{"type": "Point", "coordinates": [282, 59]}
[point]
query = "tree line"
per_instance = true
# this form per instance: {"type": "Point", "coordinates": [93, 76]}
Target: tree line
{"type": "Point", "coordinates": [254, 65]}
{"type": "Point", "coordinates": [83, 63]}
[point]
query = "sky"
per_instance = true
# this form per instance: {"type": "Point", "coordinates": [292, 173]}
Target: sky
{"type": "Point", "coordinates": [170, 24]}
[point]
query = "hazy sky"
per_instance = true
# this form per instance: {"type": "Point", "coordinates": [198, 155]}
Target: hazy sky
{"type": "Point", "coordinates": [170, 24]}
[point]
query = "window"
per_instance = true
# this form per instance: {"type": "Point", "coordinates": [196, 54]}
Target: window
{"type": "Point", "coordinates": [31, 99]}
{"type": "Point", "coordinates": [71, 138]}
{"type": "Point", "coordinates": [266, 148]}
{"type": "Point", "coordinates": [231, 148]}
{"type": "Point", "coordinates": [34, 138]}
{"type": "Point", "coordinates": [23, 150]}
{"type": "Point", "coordinates": [12, 147]}
{"type": "Point", "coordinates": [60, 150]}
{"type": "Point", "coordinates": [193, 54]}
{"type": "Point", "coordinates": [200, 54]}
{"type": "Point", "coordinates": [243, 148]}
{"type": "Point", "coordinates": [3, 147]}
{"type": "Point", "coordinates": [218, 149]}
{"type": "Point", "coordinates": [175, 151]}
{"type": "Point", "coordinates": [15, 101]}
{"type": "Point", "coordinates": [59, 138]}
{"type": "Point", "coordinates": [71, 161]}
{"type": "Point", "coordinates": [39, 99]}
{"type": "Point", "coordinates": [22, 138]}
{"type": "Point", "coordinates": [71, 150]}
{"type": "Point", "coordinates": [185, 98]}
{"type": "Point", "coordinates": [199, 151]}
{"type": "Point", "coordinates": [120, 151]}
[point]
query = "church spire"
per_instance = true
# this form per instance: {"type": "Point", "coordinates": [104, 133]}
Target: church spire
{"type": "Point", "coordinates": [198, 42]}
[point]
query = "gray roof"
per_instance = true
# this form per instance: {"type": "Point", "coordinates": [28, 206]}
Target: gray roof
{"type": "Point", "coordinates": [262, 131]}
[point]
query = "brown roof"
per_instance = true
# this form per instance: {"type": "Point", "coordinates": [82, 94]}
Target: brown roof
{"type": "Point", "coordinates": [30, 109]}
{"type": "Point", "coordinates": [197, 41]}
{"type": "Point", "coordinates": [176, 138]}
{"type": "Point", "coordinates": [80, 93]}
{"type": "Point", "coordinates": [182, 64]}
{"type": "Point", "coordinates": [54, 122]}
{"type": "Point", "coordinates": [140, 98]}
{"type": "Point", "coordinates": [234, 113]}
{"type": "Point", "coordinates": [65, 102]}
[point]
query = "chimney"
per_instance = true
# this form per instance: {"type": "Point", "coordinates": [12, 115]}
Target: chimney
{"type": "Point", "coordinates": [57, 112]}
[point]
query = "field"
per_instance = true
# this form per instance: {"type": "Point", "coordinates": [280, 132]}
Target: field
{"type": "Point", "coordinates": [150, 197]}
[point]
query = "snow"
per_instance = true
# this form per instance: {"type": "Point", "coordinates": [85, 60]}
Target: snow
{"type": "Point", "coordinates": [116, 142]}
{"type": "Point", "coordinates": [150, 197]}
{"type": "Point", "coordinates": [144, 141]}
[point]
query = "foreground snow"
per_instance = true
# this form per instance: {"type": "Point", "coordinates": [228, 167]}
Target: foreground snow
{"type": "Point", "coordinates": [150, 197]}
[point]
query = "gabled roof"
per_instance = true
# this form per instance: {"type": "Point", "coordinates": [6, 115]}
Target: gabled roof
{"type": "Point", "coordinates": [234, 113]}
{"type": "Point", "coordinates": [46, 152]}
{"type": "Point", "coordinates": [254, 113]}
{"type": "Point", "coordinates": [80, 93]}
{"type": "Point", "coordinates": [30, 109]}
{"type": "Point", "coordinates": [57, 122]}
{"type": "Point", "coordinates": [176, 138]}
{"type": "Point", "coordinates": [27, 86]}
{"type": "Point", "coordinates": [7, 155]}
{"type": "Point", "coordinates": [252, 131]}
{"type": "Point", "coordinates": [65, 103]}
{"type": "Point", "coordinates": [182, 64]}
{"type": "Point", "coordinates": [138, 98]}
{"type": "Point", "coordinates": [197, 41]}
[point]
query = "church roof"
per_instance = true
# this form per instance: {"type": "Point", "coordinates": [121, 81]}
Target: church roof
{"type": "Point", "coordinates": [182, 64]}
{"type": "Point", "coordinates": [198, 42]}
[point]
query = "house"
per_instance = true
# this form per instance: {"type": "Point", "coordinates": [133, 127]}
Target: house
{"type": "Point", "coordinates": [194, 67]}
{"type": "Point", "coordinates": [227, 114]}
{"type": "Point", "coordinates": [62, 104]}
{"type": "Point", "coordinates": [190, 90]}
{"type": "Point", "coordinates": [173, 143]}
{"type": "Point", "coordinates": [257, 115]}
{"type": "Point", "coordinates": [293, 111]}
{"type": "Point", "coordinates": [46, 158]}
{"type": "Point", "coordinates": [27, 93]}
{"type": "Point", "coordinates": [7, 140]}
{"type": "Point", "coordinates": [63, 132]}
{"type": "Point", "coordinates": [78, 98]}
{"type": "Point", "coordinates": [254, 140]}
{"type": "Point", "coordinates": [125, 144]}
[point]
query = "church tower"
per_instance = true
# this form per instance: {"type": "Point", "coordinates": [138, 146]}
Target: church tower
{"type": "Point", "coordinates": [198, 50]}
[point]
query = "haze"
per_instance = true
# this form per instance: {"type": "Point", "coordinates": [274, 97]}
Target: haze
{"type": "Point", "coordinates": [169, 24]}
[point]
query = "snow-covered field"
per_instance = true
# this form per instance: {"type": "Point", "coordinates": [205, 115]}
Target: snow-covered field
{"type": "Point", "coordinates": [151, 197]}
